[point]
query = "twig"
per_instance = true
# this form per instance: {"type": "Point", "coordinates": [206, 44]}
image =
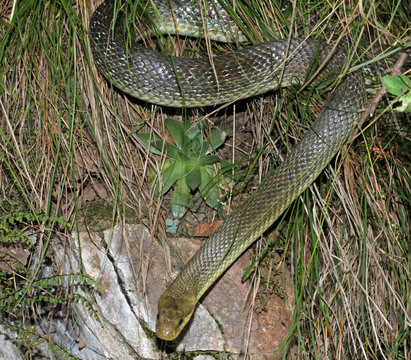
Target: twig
{"type": "Point", "coordinates": [369, 111]}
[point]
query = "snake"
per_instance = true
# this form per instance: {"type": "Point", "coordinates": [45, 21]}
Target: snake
{"type": "Point", "coordinates": [165, 80]}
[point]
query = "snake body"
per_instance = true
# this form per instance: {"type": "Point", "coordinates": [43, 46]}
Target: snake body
{"type": "Point", "coordinates": [173, 81]}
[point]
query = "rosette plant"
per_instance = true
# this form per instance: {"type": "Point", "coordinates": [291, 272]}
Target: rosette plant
{"type": "Point", "coordinates": [190, 164]}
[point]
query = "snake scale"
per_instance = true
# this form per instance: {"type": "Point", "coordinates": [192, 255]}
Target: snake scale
{"type": "Point", "coordinates": [173, 81]}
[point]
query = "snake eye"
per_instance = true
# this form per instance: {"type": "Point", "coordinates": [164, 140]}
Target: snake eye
{"type": "Point", "coordinates": [158, 316]}
{"type": "Point", "coordinates": [180, 322]}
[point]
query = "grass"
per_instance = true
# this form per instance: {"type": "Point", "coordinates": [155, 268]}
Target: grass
{"type": "Point", "coordinates": [65, 133]}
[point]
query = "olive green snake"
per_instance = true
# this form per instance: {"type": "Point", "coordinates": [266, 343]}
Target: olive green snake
{"type": "Point", "coordinates": [173, 81]}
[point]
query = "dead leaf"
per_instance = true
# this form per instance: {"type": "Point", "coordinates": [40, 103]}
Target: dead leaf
{"type": "Point", "coordinates": [80, 343]}
{"type": "Point", "coordinates": [207, 229]}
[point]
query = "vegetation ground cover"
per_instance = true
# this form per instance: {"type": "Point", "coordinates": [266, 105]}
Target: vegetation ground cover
{"type": "Point", "coordinates": [67, 137]}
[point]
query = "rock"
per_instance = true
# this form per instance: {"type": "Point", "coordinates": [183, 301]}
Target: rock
{"type": "Point", "coordinates": [9, 347]}
{"type": "Point", "coordinates": [14, 348]}
{"type": "Point", "coordinates": [134, 272]}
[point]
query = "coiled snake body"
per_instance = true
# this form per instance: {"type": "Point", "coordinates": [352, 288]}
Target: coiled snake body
{"type": "Point", "coordinates": [173, 81]}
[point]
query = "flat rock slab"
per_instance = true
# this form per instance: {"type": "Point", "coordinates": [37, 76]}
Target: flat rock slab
{"type": "Point", "coordinates": [134, 269]}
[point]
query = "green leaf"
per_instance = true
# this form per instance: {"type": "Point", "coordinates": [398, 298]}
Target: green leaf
{"type": "Point", "coordinates": [209, 189]}
{"type": "Point", "coordinates": [181, 198]}
{"type": "Point", "coordinates": [399, 85]}
{"type": "Point", "coordinates": [213, 197]}
{"type": "Point", "coordinates": [170, 174]}
{"type": "Point", "coordinates": [209, 160]}
{"type": "Point", "coordinates": [394, 84]}
{"type": "Point", "coordinates": [172, 151]}
{"type": "Point", "coordinates": [171, 225]}
{"type": "Point", "coordinates": [192, 131]}
{"type": "Point", "coordinates": [204, 148]}
{"type": "Point", "coordinates": [217, 139]}
{"type": "Point", "coordinates": [152, 142]}
{"type": "Point", "coordinates": [406, 103]}
{"type": "Point", "coordinates": [193, 149]}
{"type": "Point", "coordinates": [176, 131]}
{"type": "Point", "coordinates": [158, 146]}
{"type": "Point", "coordinates": [193, 176]}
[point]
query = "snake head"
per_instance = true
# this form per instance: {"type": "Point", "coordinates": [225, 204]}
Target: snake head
{"type": "Point", "coordinates": [173, 314]}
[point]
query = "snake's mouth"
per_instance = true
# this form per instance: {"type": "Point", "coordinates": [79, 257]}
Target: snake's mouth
{"type": "Point", "coordinates": [165, 330]}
